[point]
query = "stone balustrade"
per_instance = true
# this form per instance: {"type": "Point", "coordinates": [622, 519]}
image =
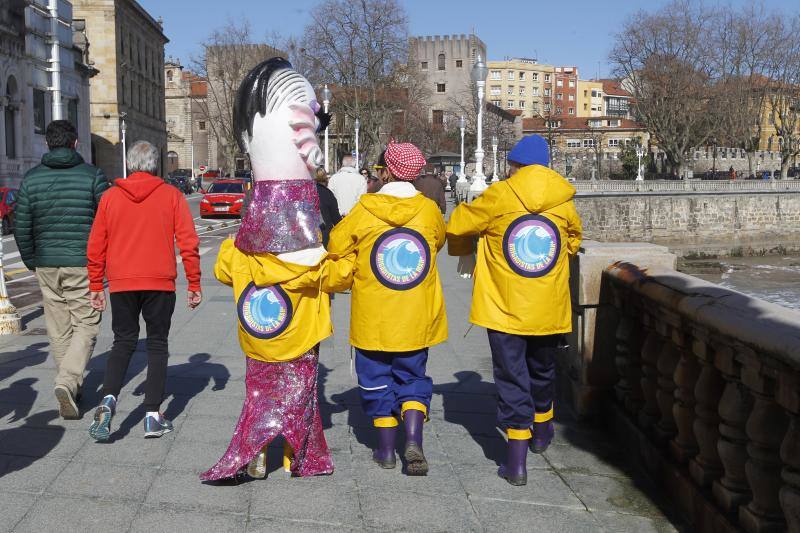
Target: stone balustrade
{"type": "Point", "coordinates": [707, 395]}
{"type": "Point", "coordinates": [612, 187]}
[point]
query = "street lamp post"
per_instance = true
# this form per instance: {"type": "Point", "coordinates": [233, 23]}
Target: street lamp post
{"type": "Point", "coordinates": [639, 154]}
{"type": "Point", "coordinates": [479, 73]}
{"type": "Point", "coordinates": [462, 175]}
{"type": "Point", "coordinates": [124, 149]}
{"type": "Point", "coordinates": [326, 100]}
{"type": "Point", "coordinates": [358, 127]}
{"type": "Point", "coordinates": [494, 150]}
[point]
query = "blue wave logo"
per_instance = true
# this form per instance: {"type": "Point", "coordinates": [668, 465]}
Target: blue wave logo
{"type": "Point", "coordinates": [531, 245]}
{"type": "Point", "coordinates": [400, 258]}
{"type": "Point", "coordinates": [264, 312]}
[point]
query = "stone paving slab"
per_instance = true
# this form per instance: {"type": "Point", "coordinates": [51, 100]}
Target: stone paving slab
{"type": "Point", "coordinates": [54, 478]}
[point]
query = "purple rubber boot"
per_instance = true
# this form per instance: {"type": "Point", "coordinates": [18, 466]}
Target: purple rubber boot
{"type": "Point", "coordinates": [417, 465]}
{"type": "Point", "coordinates": [384, 453]}
{"type": "Point", "coordinates": [514, 470]}
{"type": "Point", "coordinates": [543, 433]}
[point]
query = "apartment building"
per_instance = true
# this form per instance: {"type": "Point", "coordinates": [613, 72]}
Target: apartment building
{"type": "Point", "coordinates": [521, 84]}
{"type": "Point", "coordinates": [590, 98]}
{"type": "Point", "coordinates": [565, 92]}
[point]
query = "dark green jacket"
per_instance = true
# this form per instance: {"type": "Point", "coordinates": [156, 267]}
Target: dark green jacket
{"type": "Point", "coordinates": [55, 209]}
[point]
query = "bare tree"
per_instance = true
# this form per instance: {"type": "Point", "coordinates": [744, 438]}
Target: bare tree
{"type": "Point", "coordinates": [741, 52]}
{"type": "Point", "coordinates": [784, 88]}
{"type": "Point", "coordinates": [664, 58]}
{"type": "Point", "coordinates": [361, 46]}
{"type": "Point", "coordinates": [594, 135]}
{"type": "Point", "coordinates": [228, 55]}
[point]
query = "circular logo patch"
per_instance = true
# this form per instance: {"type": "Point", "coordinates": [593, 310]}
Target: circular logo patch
{"type": "Point", "coordinates": [400, 259]}
{"type": "Point", "coordinates": [264, 312]}
{"type": "Point", "coordinates": [532, 245]}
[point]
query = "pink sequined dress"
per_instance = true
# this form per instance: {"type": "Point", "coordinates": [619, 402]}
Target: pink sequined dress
{"type": "Point", "coordinates": [281, 399]}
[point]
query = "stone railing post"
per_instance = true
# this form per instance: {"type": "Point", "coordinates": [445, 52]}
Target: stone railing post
{"type": "Point", "coordinates": [628, 353]}
{"type": "Point", "coordinates": [651, 349]}
{"type": "Point", "coordinates": [684, 446]}
{"type": "Point", "coordinates": [732, 490]}
{"type": "Point", "coordinates": [766, 427]}
{"type": "Point", "coordinates": [790, 492]}
{"type": "Point", "coordinates": [667, 362]}
{"type": "Point", "coordinates": [789, 398]}
{"type": "Point", "coordinates": [706, 466]}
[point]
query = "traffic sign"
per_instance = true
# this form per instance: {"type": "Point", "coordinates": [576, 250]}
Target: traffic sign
{"type": "Point", "coordinates": [202, 168]}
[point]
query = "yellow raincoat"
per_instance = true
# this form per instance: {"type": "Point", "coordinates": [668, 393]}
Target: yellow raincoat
{"type": "Point", "coordinates": [391, 245]}
{"type": "Point", "coordinates": [528, 227]}
{"type": "Point", "coordinates": [279, 318]}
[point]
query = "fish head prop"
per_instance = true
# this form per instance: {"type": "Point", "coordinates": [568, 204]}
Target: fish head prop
{"type": "Point", "coordinates": [276, 119]}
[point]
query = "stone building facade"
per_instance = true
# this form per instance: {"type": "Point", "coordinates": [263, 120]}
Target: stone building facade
{"type": "Point", "coordinates": [187, 126]}
{"type": "Point", "coordinates": [578, 142]}
{"type": "Point", "coordinates": [445, 62]}
{"type": "Point", "coordinates": [25, 98]}
{"type": "Point", "coordinates": [520, 84]}
{"type": "Point", "coordinates": [129, 52]}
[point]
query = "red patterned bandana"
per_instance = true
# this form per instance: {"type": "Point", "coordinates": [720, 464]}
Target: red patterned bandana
{"type": "Point", "coordinates": [404, 160]}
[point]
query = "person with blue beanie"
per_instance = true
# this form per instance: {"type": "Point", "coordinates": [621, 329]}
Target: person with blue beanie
{"type": "Point", "coordinates": [529, 228]}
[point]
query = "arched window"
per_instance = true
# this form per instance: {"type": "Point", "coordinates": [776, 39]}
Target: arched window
{"type": "Point", "coordinates": [173, 162]}
{"type": "Point", "coordinates": [169, 75]}
{"type": "Point", "coordinates": [9, 120]}
{"type": "Point", "coordinates": [441, 62]}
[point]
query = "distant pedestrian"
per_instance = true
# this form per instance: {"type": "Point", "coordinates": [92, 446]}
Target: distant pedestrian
{"type": "Point", "coordinates": [55, 209]}
{"type": "Point", "coordinates": [132, 244]}
{"type": "Point", "coordinates": [529, 228]}
{"type": "Point", "coordinates": [347, 185]}
{"type": "Point", "coordinates": [432, 188]}
{"type": "Point", "coordinates": [328, 207]}
{"type": "Point", "coordinates": [453, 180]}
{"type": "Point", "coordinates": [732, 173]}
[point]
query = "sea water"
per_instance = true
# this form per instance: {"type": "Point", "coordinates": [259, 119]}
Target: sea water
{"type": "Point", "coordinates": [775, 279]}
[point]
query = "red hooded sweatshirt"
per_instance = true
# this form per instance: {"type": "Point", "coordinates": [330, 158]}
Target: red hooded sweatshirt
{"type": "Point", "coordinates": [134, 234]}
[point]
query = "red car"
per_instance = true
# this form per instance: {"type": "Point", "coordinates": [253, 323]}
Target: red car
{"type": "Point", "coordinates": [8, 198]}
{"type": "Point", "coordinates": [223, 198]}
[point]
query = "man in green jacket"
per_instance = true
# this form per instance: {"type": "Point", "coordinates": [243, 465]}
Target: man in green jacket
{"type": "Point", "coordinates": [54, 213]}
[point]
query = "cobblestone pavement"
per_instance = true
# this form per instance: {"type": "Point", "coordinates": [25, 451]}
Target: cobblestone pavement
{"type": "Point", "coordinates": [54, 478]}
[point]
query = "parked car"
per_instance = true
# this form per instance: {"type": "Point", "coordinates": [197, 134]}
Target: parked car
{"type": "Point", "coordinates": [8, 199]}
{"type": "Point", "coordinates": [181, 179]}
{"type": "Point", "coordinates": [224, 197]}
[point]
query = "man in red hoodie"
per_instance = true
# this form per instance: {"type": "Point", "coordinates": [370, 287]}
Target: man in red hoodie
{"type": "Point", "coordinates": [132, 244]}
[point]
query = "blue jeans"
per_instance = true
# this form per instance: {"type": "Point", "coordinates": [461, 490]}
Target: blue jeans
{"type": "Point", "coordinates": [388, 379]}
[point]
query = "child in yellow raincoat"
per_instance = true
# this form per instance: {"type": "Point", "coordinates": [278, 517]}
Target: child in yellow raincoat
{"type": "Point", "coordinates": [528, 229]}
{"type": "Point", "coordinates": [391, 239]}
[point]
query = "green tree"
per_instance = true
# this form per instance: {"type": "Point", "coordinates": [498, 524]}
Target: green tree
{"type": "Point", "coordinates": [630, 162]}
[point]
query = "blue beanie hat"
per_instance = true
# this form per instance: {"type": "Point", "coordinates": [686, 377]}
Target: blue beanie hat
{"type": "Point", "coordinates": [531, 150]}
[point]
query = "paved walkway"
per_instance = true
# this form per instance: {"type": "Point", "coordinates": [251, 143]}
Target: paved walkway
{"type": "Point", "coordinates": [54, 478]}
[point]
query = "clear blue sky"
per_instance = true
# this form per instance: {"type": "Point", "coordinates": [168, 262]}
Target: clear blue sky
{"type": "Point", "coordinates": [561, 32]}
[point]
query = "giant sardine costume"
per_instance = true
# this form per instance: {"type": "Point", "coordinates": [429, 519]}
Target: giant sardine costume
{"type": "Point", "coordinates": [280, 322]}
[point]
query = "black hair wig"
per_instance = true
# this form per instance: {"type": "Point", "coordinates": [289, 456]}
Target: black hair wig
{"type": "Point", "coordinates": [263, 89]}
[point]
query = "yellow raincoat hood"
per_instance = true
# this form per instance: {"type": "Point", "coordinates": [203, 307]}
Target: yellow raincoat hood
{"type": "Point", "coordinates": [279, 318]}
{"type": "Point", "coordinates": [528, 227]}
{"type": "Point", "coordinates": [389, 246]}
